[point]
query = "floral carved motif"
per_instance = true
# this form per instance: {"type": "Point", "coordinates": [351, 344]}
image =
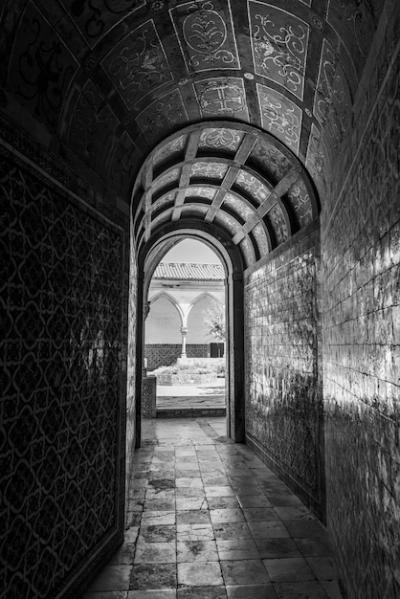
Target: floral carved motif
{"type": "Point", "coordinates": [279, 46]}
{"type": "Point", "coordinates": [221, 139]}
{"type": "Point", "coordinates": [206, 36]}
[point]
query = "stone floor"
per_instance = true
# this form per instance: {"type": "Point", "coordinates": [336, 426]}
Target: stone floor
{"type": "Point", "coordinates": [210, 521]}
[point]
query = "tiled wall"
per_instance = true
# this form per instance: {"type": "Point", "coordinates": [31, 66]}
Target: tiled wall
{"type": "Point", "coordinates": [361, 347]}
{"type": "Point", "coordinates": [283, 403]}
{"type": "Point", "coordinates": [61, 379]}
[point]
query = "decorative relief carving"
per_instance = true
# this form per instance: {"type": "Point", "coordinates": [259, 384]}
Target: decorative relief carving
{"type": "Point", "coordinates": [269, 160]}
{"type": "Point", "coordinates": [175, 146]}
{"type": "Point", "coordinates": [138, 64]}
{"type": "Point", "coordinates": [332, 102]}
{"type": "Point", "coordinates": [300, 203]}
{"type": "Point", "coordinates": [221, 139]}
{"type": "Point", "coordinates": [161, 115]}
{"type": "Point", "coordinates": [222, 96]}
{"type": "Point", "coordinates": [280, 116]}
{"type": "Point", "coordinates": [278, 223]}
{"type": "Point", "coordinates": [253, 186]}
{"type": "Point", "coordinates": [210, 170]}
{"type": "Point", "coordinates": [95, 17]}
{"type": "Point", "coordinates": [240, 206]}
{"type": "Point", "coordinates": [92, 126]}
{"type": "Point", "coordinates": [279, 42]}
{"type": "Point", "coordinates": [41, 67]}
{"type": "Point", "coordinates": [206, 36]}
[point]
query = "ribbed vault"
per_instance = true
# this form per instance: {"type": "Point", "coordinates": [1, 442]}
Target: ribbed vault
{"type": "Point", "coordinates": [234, 175]}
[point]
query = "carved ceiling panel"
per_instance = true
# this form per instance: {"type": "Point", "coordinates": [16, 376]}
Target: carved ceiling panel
{"type": "Point", "coordinates": [109, 79]}
{"type": "Point", "coordinates": [259, 210]}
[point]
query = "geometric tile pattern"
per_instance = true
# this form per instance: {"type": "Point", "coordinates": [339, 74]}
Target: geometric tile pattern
{"type": "Point", "coordinates": [283, 409]}
{"type": "Point", "coordinates": [60, 343]}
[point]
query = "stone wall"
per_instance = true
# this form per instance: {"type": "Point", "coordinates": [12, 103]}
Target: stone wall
{"type": "Point", "coordinates": [361, 334]}
{"type": "Point", "coordinates": [62, 369]}
{"type": "Point", "coordinates": [164, 354]}
{"type": "Point", "coordinates": [283, 403]}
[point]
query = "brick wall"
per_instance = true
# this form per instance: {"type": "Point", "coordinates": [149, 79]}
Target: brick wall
{"type": "Point", "coordinates": [283, 403]}
{"type": "Point", "coordinates": [361, 351]}
{"type": "Point", "coordinates": [164, 354]}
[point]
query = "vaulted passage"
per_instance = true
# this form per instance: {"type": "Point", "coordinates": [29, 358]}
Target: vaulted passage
{"type": "Point", "coordinates": [268, 129]}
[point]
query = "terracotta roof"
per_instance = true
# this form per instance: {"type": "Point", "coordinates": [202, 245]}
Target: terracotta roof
{"type": "Point", "coordinates": [186, 270]}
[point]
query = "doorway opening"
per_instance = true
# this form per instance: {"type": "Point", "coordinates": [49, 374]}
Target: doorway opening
{"type": "Point", "coordinates": [185, 334]}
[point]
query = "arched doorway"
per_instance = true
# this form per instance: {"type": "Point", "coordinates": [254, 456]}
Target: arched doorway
{"type": "Point", "coordinates": [148, 259]}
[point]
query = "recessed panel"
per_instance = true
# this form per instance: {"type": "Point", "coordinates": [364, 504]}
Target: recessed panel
{"type": "Point", "coordinates": [300, 202]}
{"type": "Point", "coordinates": [280, 116]}
{"type": "Point", "coordinates": [169, 150]}
{"type": "Point", "coordinates": [165, 179]}
{"type": "Point", "coordinates": [138, 64]}
{"type": "Point", "coordinates": [228, 221]}
{"type": "Point", "coordinates": [253, 186]}
{"type": "Point", "coordinates": [239, 206]}
{"type": "Point", "coordinates": [269, 160]}
{"type": "Point", "coordinates": [211, 170]}
{"type": "Point", "coordinates": [278, 223]}
{"type": "Point", "coordinates": [200, 191]}
{"type": "Point", "coordinates": [279, 42]}
{"type": "Point", "coordinates": [223, 97]}
{"type": "Point", "coordinates": [260, 235]}
{"type": "Point", "coordinates": [205, 35]}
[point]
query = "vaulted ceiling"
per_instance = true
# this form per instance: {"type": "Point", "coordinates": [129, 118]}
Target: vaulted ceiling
{"type": "Point", "coordinates": [110, 79]}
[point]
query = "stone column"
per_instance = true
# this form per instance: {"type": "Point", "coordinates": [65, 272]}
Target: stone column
{"type": "Point", "coordinates": [183, 333]}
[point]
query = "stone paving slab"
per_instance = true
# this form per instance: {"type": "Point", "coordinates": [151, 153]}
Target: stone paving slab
{"type": "Point", "coordinates": [213, 522]}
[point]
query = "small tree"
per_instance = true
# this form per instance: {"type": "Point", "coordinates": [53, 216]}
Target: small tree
{"type": "Point", "coordinates": [215, 322]}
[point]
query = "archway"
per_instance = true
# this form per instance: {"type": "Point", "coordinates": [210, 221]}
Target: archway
{"type": "Point", "coordinates": [164, 238]}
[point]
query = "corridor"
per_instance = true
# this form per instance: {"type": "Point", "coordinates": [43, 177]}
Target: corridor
{"type": "Point", "coordinates": [210, 521]}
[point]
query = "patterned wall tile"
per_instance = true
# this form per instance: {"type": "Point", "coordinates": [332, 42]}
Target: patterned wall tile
{"type": "Point", "coordinates": [222, 96]}
{"type": "Point", "coordinates": [41, 67]}
{"type": "Point", "coordinates": [95, 18]}
{"type": "Point", "coordinates": [200, 191]}
{"type": "Point", "coordinates": [299, 201]}
{"type": "Point", "coordinates": [279, 43]}
{"type": "Point", "coordinates": [92, 126]}
{"type": "Point", "coordinates": [138, 64]}
{"type": "Point", "coordinates": [280, 116]}
{"type": "Point", "coordinates": [206, 36]}
{"type": "Point", "coordinates": [61, 289]}
{"type": "Point", "coordinates": [332, 102]}
{"type": "Point", "coordinates": [160, 116]}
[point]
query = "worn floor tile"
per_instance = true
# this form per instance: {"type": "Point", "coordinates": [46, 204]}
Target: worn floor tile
{"type": "Point", "coordinates": [265, 591]}
{"type": "Point", "coordinates": [292, 569]}
{"type": "Point", "coordinates": [199, 574]}
{"type": "Point", "coordinates": [209, 521]}
{"type": "Point", "coordinates": [244, 572]}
